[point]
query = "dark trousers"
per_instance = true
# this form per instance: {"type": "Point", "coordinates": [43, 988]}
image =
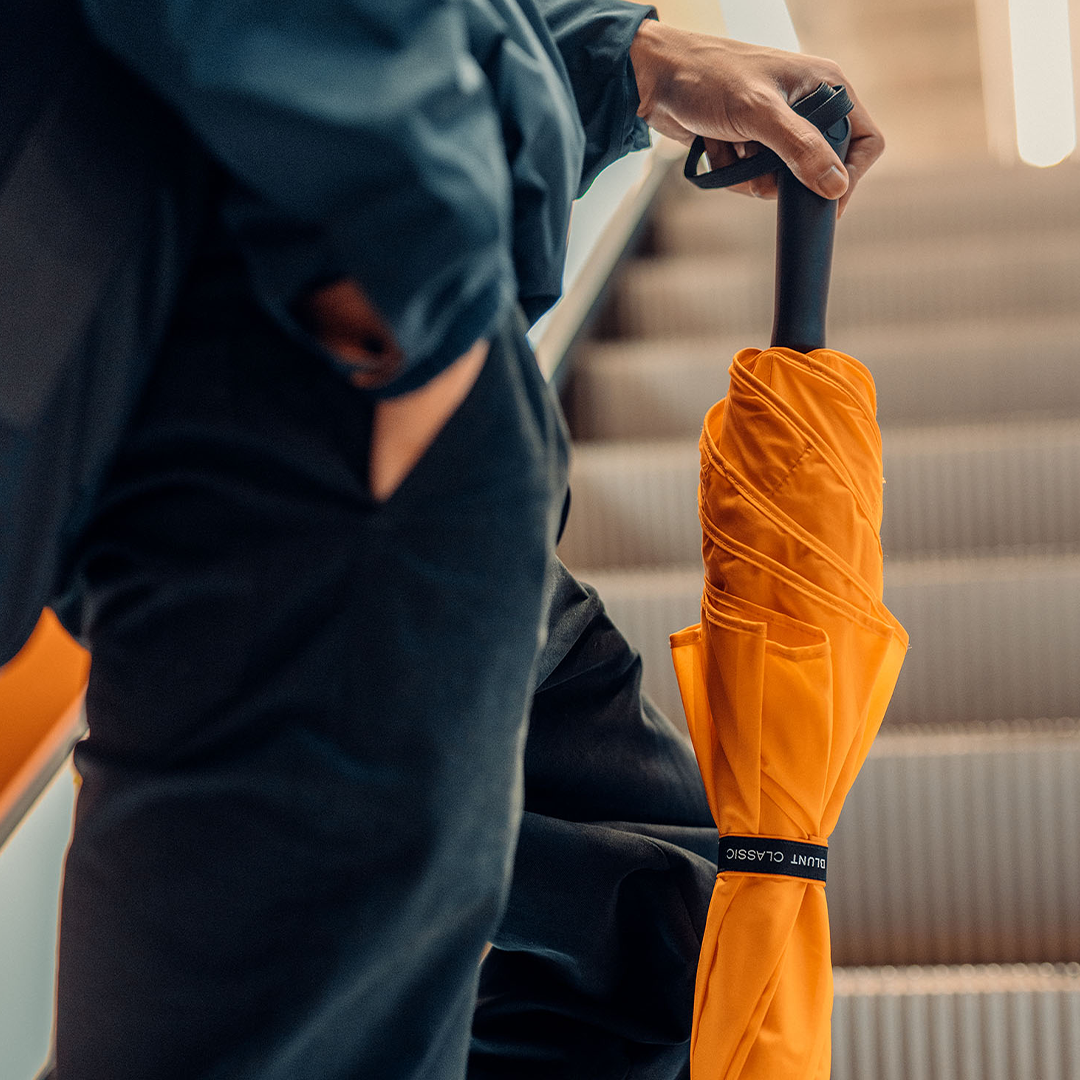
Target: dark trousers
{"type": "Point", "coordinates": [307, 798]}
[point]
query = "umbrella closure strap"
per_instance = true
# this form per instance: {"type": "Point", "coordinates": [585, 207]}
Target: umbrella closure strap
{"type": "Point", "coordinates": [825, 108]}
{"type": "Point", "coordinates": [773, 856]}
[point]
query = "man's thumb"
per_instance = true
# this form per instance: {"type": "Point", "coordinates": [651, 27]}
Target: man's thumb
{"type": "Point", "coordinates": [809, 156]}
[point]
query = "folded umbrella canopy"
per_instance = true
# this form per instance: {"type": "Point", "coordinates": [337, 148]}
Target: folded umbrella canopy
{"type": "Point", "coordinates": [786, 678]}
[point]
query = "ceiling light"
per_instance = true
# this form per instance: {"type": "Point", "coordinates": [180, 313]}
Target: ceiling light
{"type": "Point", "coordinates": [1042, 80]}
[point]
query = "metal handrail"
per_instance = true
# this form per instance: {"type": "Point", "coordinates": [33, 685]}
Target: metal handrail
{"type": "Point", "coordinates": [588, 274]}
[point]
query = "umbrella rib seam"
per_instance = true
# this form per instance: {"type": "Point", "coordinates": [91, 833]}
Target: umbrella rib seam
{"type": "Point", "coordinates": [743, 487]}
{"type": "Point", "coordinates": [883, 627]}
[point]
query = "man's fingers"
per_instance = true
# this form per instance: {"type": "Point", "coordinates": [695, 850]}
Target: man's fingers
{"type": "Point", "coordinates": [764, 187]}
{"type": "Point", "coordinates": [726, 153]}
{"type": "Point", "coordinates": [346, 322]}
{"type": "Point", "coordinates": [867, 145]}
{"type": "Point", "coordinates": [720, 153]}
{"type": "Point", "coordinates": [736, 93]}
{"type": "Point", "coordinates": [814, 162]}
{"type": "Point", "coordinates": [803, 148]}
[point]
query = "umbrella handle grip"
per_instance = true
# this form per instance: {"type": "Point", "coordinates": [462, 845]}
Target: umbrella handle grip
{"type": "Point", "coordinates": [805, 221]}
{"type": "Point", "coordinates": [805, 227]}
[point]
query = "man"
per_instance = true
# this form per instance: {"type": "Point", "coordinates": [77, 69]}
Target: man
{"type": "Point", "coordinates": [320, 588]}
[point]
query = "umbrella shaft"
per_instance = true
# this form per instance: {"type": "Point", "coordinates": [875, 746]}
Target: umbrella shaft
{"type": "Point", "coordinates": [805, 225]}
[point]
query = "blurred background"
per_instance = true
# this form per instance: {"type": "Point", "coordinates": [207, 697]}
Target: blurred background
{"type": "Point", "coordinates": [949, 81]}
{"type": "Point", "coordinates": [954, 885]}
{"type": "Point", "coordinates": [955, 877]}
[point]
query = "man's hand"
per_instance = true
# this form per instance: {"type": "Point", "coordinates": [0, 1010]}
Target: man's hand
{"type": "Point", "coordinates": [738, 96]}
{"type": "Point", "coordinates": [403, 427]}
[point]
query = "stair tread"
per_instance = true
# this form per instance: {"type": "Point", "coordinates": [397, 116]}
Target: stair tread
{"type": "Point", "coordinates": [955, 978]}
{"type": "Point", "coordinates": [970, 488]}
{"type": "Point", "coordinates": [992, 637]}
{"type": "Point", "coordinates": [1000, 203]}
{"type": "Point", "coordinates": [952, 373]}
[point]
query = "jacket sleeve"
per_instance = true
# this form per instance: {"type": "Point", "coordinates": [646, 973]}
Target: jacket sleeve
{"type": "Point", "coordinates": [593, 37]}
{"type": "Point", "coordinates": [367, 140]}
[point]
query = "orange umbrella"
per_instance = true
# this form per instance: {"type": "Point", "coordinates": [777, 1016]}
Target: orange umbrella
{"type": "Point", "coordinates": [785, 680]}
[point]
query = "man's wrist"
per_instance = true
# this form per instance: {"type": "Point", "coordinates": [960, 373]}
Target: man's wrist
{"type": "Point", "coordinates": [647, 52]}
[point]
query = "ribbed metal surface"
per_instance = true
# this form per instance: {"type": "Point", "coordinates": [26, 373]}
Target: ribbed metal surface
{"type": "Point", "coordinates": [964, 1023]}
{"type": "Point", "coordinates": [933, 281]}
{"type": "Point", "coordinates": [646, 390]}
{"type": "Point", "coordinates": [966, 490]}
{"type": "Point", "coordinates": [991, 639]}
{"type": "Point", "coordinates": [633, 504]}
{"type": "Point", "coordinates": [965, 370]}
{"type": "Point", "coordinates": [999, 203]}
{"type": "Point", "coordinates": [982, 488]}
{"type": "Point", "coordinates": [961, 846]}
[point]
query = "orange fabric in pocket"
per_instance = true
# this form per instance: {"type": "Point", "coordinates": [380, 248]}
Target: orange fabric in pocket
{"type": "Point", "coordinates": [41, 691]}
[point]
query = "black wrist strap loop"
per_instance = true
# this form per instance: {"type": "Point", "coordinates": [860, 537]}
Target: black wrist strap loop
{"type": "Point", "coordinates": [825, 107]}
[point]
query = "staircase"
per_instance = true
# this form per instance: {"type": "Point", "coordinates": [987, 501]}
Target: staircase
{"type": "Point", "coordinates": [955, 869]}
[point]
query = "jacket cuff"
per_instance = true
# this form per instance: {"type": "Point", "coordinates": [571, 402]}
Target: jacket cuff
{"type": "Point", "coordinates": [594, 37]}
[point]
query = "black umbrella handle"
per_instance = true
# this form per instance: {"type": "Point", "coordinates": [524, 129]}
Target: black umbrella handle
{"type": "Point", "coordinates": [805, 226]}
{"type": "Point", "coordinates": [805, 222]}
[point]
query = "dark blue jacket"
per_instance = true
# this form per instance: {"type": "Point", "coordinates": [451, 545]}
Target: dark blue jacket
{"type": "Point", "coordinates": [103, 197]}
{"type": "Point", "coordinates": [430, 150]}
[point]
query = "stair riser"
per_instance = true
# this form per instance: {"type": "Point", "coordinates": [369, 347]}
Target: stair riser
{"type": "Point", "coordinates": [959, 849]}
{"type": "Point", "coordinates": [990, 639]}
{"type": "Point", "coordinates": [919, 1026]}
{"type": "Point", "coordinates": [633, 506]}
{"type": "Point", "coordinates": [670, 297]}
{"type": "Point", "coordinates": [955, 492]}
{"type": "Point", "coordinates": [661, 389]}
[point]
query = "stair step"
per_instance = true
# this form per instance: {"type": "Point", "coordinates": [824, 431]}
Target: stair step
{"type": "Point", "coordinates": [981, 489]}
{"type": "Point", "coordinates": [994, 638]}
{"type": "Point", "coordinates": [933, 281]}
{"type": "Point", "coordinates": [962, 1023]}
{"type": "Point", "coordinates": [959, 846]}
{"type": "Point", "coordinates": [966, 370]}
{"type": "Point", "coordinates": [974, 489]}
{"type": "Point", "coordinates": [991, 638]}
{"type": "Point", "coordinates": [633, 504]}
{"type": "Point", "coordinates": [1005, 202]}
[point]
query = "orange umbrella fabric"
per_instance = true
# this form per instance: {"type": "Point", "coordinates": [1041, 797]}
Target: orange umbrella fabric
{"type": "Point", "coordinates": [784, 682]}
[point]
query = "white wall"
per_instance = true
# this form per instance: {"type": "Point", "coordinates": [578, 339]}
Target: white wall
{"type": "Point", "coordinates": [30, 867]}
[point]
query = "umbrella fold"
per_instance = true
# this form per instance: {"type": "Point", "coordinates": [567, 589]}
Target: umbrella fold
{"type": "Point", "coordinates": [784, 682]}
